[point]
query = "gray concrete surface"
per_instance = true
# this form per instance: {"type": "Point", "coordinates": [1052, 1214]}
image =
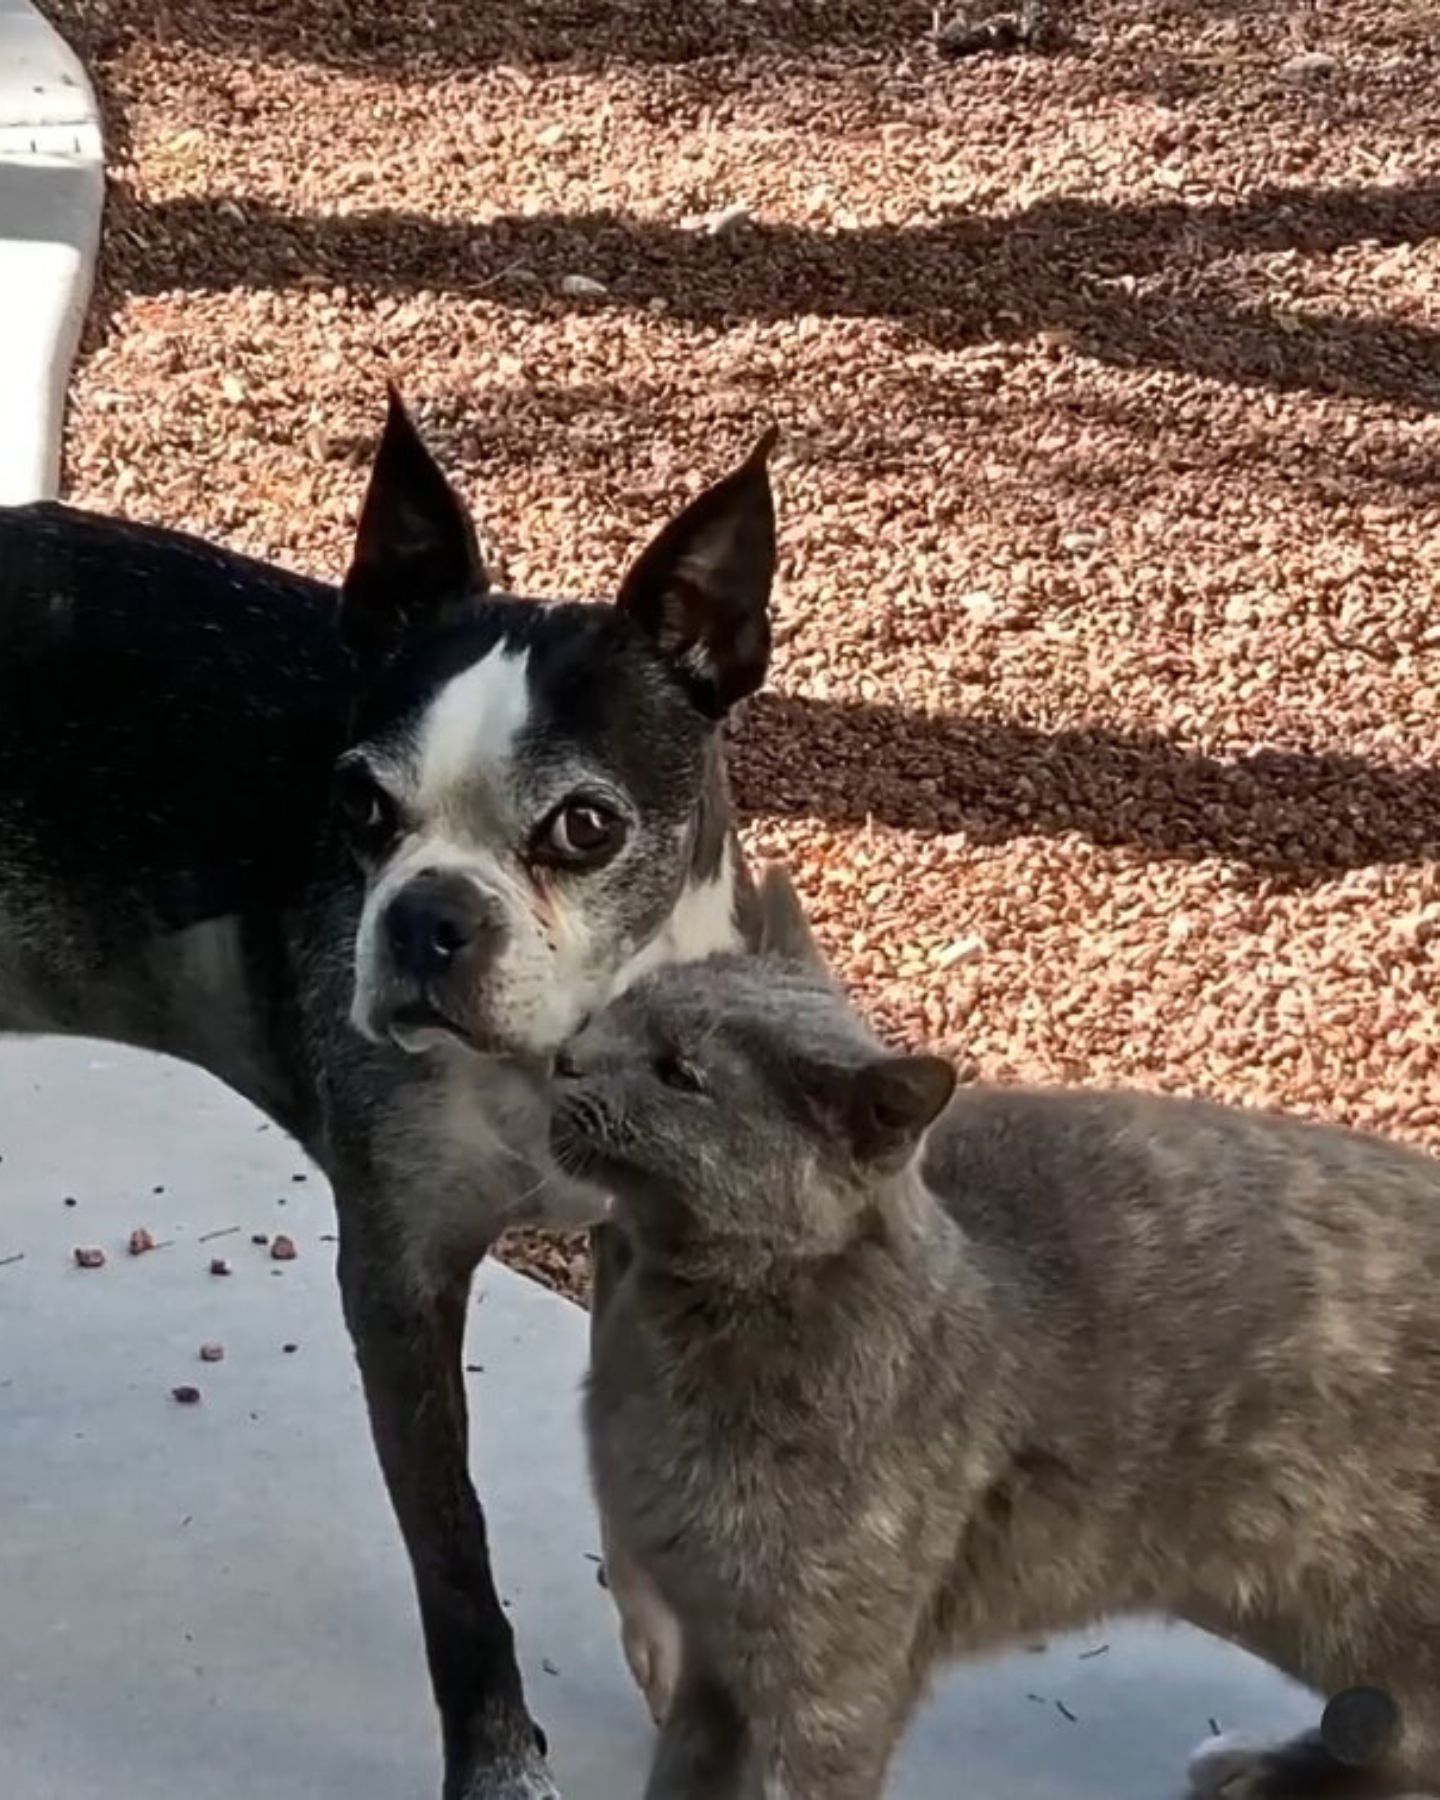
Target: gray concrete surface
{"type": "Point", "coordinates": [210, 1602]}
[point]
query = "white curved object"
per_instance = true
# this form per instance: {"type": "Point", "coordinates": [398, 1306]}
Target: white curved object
{"type": "Point", "coordinates": [52, 191]}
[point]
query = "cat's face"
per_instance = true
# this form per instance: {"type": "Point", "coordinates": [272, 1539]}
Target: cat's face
{"type": "Point", "coordinates": [739, 1098]}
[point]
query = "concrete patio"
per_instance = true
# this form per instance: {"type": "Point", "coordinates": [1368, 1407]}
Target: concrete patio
{"type": "Point", "coordinates": [208, 1602]}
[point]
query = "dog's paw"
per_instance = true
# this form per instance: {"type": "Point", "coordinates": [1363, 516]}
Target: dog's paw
{"type": "Point", "coordinates": [520, 1772]}
{"type": "Point", "coordinates": [532, 1782]}
{"type": "Point", "coordinates": [1221, 1767]}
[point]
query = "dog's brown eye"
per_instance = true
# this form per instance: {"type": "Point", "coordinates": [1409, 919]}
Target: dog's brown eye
{"type": "Point", "coordinates": [579, 834]}
{"type": "Point", "coordinates": [368, 815]}
{"type": "Point", "coordinates": [679, 1074]}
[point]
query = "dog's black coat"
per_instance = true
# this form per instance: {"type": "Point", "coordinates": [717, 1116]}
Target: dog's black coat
{"type": "Point", "coordinates": [171, 715]}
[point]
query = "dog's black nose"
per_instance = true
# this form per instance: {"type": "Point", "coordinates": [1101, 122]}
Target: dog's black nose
{"type": "Point", "coordinates": [433, 920]}
{"type": "Point", "coordinates": [565, 1067]}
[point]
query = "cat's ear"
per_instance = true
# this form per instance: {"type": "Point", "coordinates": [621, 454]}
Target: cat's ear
{"type": "Point", "coordinates": [701, 589]}
{"type": "Point", "coordinates": [892, 1102]}
{"type": "Point", "coordinates": [416, 563]}
{"type": "Point", "coordinates": [783, 929]}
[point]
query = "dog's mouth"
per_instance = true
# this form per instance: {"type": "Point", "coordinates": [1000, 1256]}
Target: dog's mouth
{"type": "Point", "coordinates": [420, 1025]}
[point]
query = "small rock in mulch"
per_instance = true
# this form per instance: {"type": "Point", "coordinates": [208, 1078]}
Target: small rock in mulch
{"type": "Point", "coordinates": [282, 1248]}
{"type": "Point", "coordinates": [89, 1258]}
{"type": "Point", "coordinates": [960, 950]}
{"type": "Point", "coordinates": [140, 1241]}
{"type": "Point", "coordinates": [716, 224]}
{"type": "Point", "coordinates": [1309, 65]}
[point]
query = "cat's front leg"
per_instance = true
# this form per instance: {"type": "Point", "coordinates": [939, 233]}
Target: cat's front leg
{"type": "Point", "coordinates": [709, 1749]}
{"type": "Point", "coordinates": [830, 1771]}
{"type": "Point", "coordinates": [702, 1750]}
{"type": "Point", "coordinates": [833, 1742]}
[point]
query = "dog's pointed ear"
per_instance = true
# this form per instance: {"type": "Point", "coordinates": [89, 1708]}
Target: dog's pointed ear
{"type": "Point", "coordinates": [783, 930]}
{"type": "Point", "coordinates": [416, 563]}
{"type": "Point", "coordinates": [892, 1102]}
{"type": "Point", "coordinates": [701, 588]}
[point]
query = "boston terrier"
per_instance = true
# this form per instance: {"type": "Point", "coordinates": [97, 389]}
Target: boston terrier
{"type": "Point", "coordinates": [369, 855]}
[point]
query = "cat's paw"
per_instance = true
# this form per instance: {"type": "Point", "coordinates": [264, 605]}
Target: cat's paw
{"type": "Point", "coordinates": [1222, 1767]}
{"type": "Point", "coordinates": [650, 1639]}
{"type": "Point", "coordinates": [649, 1631]}
{"type": "Point", "coordinates": [1236, 1768]}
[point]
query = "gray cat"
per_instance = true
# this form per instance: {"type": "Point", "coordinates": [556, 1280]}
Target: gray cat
{"type": "Point", "coordinates": [898, 1374]}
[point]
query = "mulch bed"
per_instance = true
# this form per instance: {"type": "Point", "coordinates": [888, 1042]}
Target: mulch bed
{"type": "Point", "coordinates": [1103, 728]}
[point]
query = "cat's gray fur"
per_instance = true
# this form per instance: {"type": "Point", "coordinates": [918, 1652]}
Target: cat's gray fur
{"type": "Point", "coordinates": [869, 1397]}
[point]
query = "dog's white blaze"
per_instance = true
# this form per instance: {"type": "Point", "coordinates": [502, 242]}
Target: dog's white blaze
{"type": "Point", "coordinates": [468, 733]}
{"type": "Point", "coordinates": [472, 724]}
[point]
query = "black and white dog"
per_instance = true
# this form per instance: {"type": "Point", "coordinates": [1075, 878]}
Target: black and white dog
{"type": "Point", "coordinates": [369, 856]}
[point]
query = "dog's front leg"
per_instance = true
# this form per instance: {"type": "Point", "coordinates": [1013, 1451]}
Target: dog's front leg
{"type": "Point", "coordinates": [409, 1342]}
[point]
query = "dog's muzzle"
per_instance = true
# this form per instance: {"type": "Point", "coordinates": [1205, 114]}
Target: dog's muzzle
{"type": "Point", "coordinates": [438, 938]}
{"type": "Point", "coordinates": [437, 924]}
